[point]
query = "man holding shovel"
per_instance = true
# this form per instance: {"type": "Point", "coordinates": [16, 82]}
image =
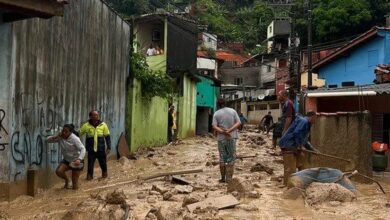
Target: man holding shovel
{"type": "Point", "coordinates": [293, 140]}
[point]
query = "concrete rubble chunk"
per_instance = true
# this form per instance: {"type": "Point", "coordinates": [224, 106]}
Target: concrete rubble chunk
{"type": "Point", "coordinates": [227, 201]}
{"type": "Point", "coordinates": [184, 189]}
{"type": "Point", "coordinates": [152, 192]}
{"type": "Point", "coordinates": [168, 213]}
{"type": "Point", "coordinates": [159, 189]}
{"type": "Point", "coordinates": [190, 200]}
{"type": "Point", "coordinates": [167, 196]}
{"type": "Point", "coordinates": [254, 194]}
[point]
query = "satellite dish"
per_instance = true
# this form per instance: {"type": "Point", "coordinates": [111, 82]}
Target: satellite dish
{"type": "Point", "coordinates": [261, 97]}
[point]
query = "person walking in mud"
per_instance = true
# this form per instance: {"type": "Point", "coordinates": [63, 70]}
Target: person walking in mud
{"type": "Point", "coordinates": [73, 152]}
{"type": "Point", "coordinates": [97, 142]}
{"type": "Point", "coordinates": [226, 123]}
{"type": "Point", "coordinates": [293, 140]}
{"type": "Point", "coordinates": [267, 121]}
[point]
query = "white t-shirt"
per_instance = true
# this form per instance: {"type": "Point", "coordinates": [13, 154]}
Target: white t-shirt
{"type": "Point", "coordinates": [151, 52]}
{"type": "Point", "coordinates": [226, 118]}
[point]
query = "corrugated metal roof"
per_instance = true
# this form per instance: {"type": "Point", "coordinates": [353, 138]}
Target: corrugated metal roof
{"type": "Point", "coordinates": [380, 89]}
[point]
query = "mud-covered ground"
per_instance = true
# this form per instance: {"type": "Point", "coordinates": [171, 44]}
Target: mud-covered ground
{"type": "Point", "coordinates": [142, 199]}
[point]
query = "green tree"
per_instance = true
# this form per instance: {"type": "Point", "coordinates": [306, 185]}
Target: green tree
{"type": "Point", "coordinates": [130, 7]}
{"type": "Point", "coordinates": [340, 18]}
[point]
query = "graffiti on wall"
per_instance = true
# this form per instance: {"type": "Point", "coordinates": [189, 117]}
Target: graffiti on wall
{"type": "Point", "coordinates": [34, 122]}
{"type": "Point", "coordinates": [3, 131]}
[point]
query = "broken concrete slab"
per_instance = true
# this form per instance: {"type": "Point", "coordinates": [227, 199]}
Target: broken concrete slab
{"type": "Point", "coordinates": [184, 189]}
{"type": "Point", "coordinates": [188, 200]}
{"type": "Point", "coordinates": [227, 201]}
{"type": "Point", "coordinates": [159, 189]}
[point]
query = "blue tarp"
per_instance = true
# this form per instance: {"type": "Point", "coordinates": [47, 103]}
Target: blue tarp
{"type": "Point", "coordinates": [324, 175]}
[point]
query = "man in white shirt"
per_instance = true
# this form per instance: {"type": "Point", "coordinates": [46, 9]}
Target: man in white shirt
{"type": "Point", "coordinates": [151, 51]}
{"type": "Point", "coordinates": [225, 123]}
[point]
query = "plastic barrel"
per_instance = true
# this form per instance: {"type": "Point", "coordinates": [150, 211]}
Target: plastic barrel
{"type": "Point", "coordinates": [379, 161]}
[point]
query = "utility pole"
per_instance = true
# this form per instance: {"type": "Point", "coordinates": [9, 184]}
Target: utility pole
{"type": "Point", "coordinates": [309, 45]}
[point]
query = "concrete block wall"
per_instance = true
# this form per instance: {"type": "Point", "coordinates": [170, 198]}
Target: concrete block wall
{"type": "Point", "coordinates": [346, 135]}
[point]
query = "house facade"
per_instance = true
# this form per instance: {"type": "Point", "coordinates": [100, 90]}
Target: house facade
{"type": "Point", "coordinates": [176, 39]}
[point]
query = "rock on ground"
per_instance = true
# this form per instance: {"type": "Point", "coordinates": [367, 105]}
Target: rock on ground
{"type": "Point", "coordinates": [188, 200]}
{"type": "Point", "coordinates": [184, 189]}
{"type": "Point", "coordinates": [116, 197]}
{"type": "Point", "coordinates": [318, 193]}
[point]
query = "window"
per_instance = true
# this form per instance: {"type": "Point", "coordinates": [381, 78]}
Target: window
{"type": "Point", "coordinates": [274, 106]}
{"type": "Point", "coordinates": [261, 107]}
{"type": "Point", "coordinates": [268, 68]}
{"type": "Point", "coordinates": [238, 81]}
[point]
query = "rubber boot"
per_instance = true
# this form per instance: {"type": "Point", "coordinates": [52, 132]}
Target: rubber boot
{"type": "Point", "coordinates": [229, 172]}
{"type": "Point", "coordinates": [222, 169]}
{"type": "Point", "coordinates": [290, 166]}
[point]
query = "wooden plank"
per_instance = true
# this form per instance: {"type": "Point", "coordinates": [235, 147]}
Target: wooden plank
{"type": "Point", "coordinates": [172, 173]}
{"type": "Point", "coordinates": [222, 202]}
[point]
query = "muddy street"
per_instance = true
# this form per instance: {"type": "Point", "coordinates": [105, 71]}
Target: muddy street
{"type": "Point", "coordinates": [258, 189]}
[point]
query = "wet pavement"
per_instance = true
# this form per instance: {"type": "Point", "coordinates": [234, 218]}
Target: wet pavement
{"type": "Point", "coordinates": [199, 152]}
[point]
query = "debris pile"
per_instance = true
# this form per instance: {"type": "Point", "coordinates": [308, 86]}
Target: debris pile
{"type": "Point", "coordinates": [113, 206]}
{"type": "Point", "coordinates": [318, 193]}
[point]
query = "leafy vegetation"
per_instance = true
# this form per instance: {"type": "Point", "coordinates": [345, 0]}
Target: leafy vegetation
{"type": "Point", "coordinates": [153, 83]}
{"type": "Point", "coordinates": [247, 20]}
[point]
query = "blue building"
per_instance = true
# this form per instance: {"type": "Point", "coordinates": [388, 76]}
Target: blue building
{"type": "Point", "coordinates": [354, 63]}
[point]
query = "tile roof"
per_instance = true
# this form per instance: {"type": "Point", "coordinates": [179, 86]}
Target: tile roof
{"type": "Point", "coordinates": [232, 57]}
